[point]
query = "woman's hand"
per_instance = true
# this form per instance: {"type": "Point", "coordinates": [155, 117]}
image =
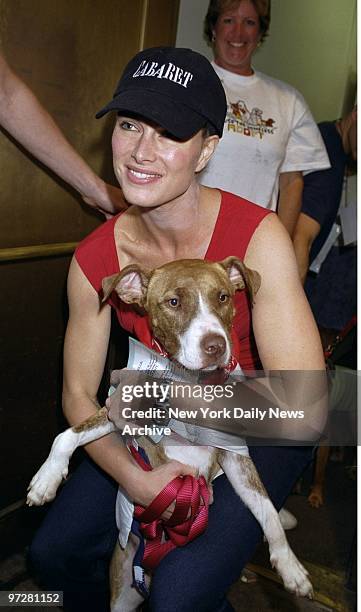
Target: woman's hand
{"type": "Point", "coordinates": [143, 487]}
{"type": "Point", "coordinates": [123, 404]}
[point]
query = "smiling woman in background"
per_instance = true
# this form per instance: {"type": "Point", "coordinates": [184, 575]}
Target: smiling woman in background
{"type": "Point", "coordinates": [270, 137]}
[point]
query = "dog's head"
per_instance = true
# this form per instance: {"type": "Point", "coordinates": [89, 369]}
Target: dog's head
{"type": "Point", "coordinates": [190, 305]}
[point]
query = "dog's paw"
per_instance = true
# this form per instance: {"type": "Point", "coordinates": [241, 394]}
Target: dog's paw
{"type": "Point", "coordinates": [293, 574]}
{"type": "Point", "coordinates": [45, 483]}
{"type": "Point", "coordinates": [315, 498]}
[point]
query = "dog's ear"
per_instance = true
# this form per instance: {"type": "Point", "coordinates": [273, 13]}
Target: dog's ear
{"type": "Point", "coordinates": [241, 276]}
{"type": "Point", "coordinates": [130, 284]}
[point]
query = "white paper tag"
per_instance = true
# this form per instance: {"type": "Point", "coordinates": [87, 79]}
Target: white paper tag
{"type": "Point", "coordinates": [348, 216]}
{"type": "Point", "coordinates": [325, 249]}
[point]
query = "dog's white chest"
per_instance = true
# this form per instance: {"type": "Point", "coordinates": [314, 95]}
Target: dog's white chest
{"type": "Point", "coordinates": [200, 457]}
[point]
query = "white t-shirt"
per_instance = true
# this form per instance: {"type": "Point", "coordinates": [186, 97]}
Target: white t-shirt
{"type": "Point", "coordinates": [268, 130]}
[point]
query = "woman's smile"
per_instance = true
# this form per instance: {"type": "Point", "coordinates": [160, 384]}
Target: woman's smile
{"type": "Point", "coordinates": [141, 176]}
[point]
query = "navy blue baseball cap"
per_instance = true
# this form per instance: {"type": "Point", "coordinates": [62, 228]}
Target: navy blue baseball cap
{"type": "Point", "coordinates": [176, 88]}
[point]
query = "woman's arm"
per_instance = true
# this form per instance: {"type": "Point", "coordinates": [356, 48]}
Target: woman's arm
{"type": "Point", "coordinates": [85, 350]}
{"type": "Point", "coordinates": [290, 199]}
{"type": "Point", "coordinates": [22, 115]}
{"type": "Point", "coordinates": [285, 331]}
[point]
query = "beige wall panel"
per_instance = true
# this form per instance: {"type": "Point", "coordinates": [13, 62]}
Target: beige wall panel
{"type": "Point", "coordinates": [161, 24]}
{"type": "Point", "coordinates": [70, 54]}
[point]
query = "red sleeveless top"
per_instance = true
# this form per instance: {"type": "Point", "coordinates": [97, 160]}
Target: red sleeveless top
{"type": "Point", "coordinates": [236, 223]}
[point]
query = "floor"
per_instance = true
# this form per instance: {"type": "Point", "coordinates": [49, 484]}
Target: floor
{"type": "Point", "coordinates": [324, 540]}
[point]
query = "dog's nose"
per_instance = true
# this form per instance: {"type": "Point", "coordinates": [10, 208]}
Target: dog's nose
{"type": "Point", "coordinates": [213, 345]}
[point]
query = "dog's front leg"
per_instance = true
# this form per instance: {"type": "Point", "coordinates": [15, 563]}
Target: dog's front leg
{"type": "Point", "coordinates": [242, 474]}
{"type": "Point", "coordinates": [44, 484]}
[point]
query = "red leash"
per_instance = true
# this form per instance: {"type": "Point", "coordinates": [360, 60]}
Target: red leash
{"type": "Point", "coordinates": [340, 336]}
{"type": "Point", "coordinates": [188, 521]}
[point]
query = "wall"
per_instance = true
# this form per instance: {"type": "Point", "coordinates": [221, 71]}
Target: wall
{"type": "Point", "coordinates": [312, 45]}
{"type": "Point", "coordinates": [190, 26]}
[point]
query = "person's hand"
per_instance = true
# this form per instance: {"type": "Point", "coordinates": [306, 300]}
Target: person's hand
{"type": "Point", "coordinates": [106, 198]}
{"type": "Point", "coordinates": [147, 485]}
{"type": "Point", "coordinates": [123, 403]}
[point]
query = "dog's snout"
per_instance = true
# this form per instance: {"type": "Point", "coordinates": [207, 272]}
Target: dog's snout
{"type": "Point", "coordinates": [213, 345]}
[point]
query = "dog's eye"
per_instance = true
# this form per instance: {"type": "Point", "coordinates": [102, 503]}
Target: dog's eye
{"type": "Point", "coordinates": [223, 297]}
{"type": "Point", "coordinates": [174, 302]}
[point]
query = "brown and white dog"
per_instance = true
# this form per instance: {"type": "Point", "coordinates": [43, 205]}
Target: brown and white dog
{"type": "Point", "coordinates": [190, 309]}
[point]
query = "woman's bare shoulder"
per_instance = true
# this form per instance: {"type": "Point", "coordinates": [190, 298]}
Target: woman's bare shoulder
{"type": "Point", "coordinates": [270, 238]}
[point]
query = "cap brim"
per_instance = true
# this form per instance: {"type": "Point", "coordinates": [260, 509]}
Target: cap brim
{"type": "Point", "coordinates": [181, 121]}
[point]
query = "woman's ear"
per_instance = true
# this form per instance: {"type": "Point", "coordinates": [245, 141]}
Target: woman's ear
{"type": "Point", "coordinates": [208, 148]}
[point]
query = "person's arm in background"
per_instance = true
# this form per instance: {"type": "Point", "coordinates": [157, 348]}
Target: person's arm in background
{"type": "Point", "coordinates": [290, 199]}
{"type": "Point", "coordinates": [307, 230]}
{"type": "Point", "coordinates": [22, 115]}
{"type": "Point", "coordinates": [305, 153]}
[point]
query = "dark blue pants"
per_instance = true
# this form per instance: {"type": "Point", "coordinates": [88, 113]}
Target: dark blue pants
{"type": "Point", "coordinates": [73, 547]}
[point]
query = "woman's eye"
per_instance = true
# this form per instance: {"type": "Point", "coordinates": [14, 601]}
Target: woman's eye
{"type": "Point", "coordinates": [227, 20]}
{"type": "Point", "coordinates": [174, 302]}
{"type": "Point", "coordinates": [223, 297]}
{"type": "Point", "coordinates": [251, 22]}
{"type": "Point", "coordinates": [127, 125]}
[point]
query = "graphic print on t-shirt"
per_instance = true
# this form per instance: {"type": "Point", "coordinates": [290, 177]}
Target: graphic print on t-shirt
{"type": "Point", "coordinates": [249, 123]}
